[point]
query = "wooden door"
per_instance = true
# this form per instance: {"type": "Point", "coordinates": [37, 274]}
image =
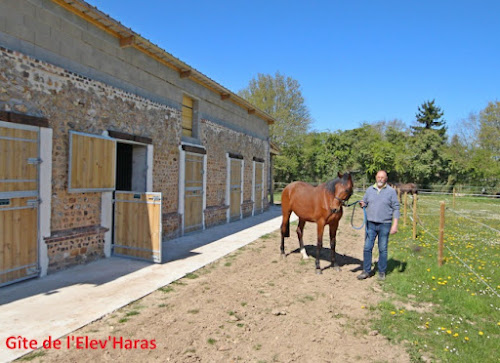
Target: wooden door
{"type": "Point", "coordinates": [193, 193]}
{"type": "Point", "coordinates": [259, 188]}
{"type": "Point", "coordinates": [19, 159]}
{"type": "Point", "coordinates": [137, 225]}
{"type": "Point", "coordinates": [235, 190]}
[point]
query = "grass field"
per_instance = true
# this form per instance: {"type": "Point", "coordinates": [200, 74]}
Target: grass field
{"type": "Point", "coordinates": [449, 313]}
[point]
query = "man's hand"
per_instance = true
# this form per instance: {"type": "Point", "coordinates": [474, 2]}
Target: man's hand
{"type": "Point", "coordinates": [362, 204]}
{"type": "Point", "coordinates": [394, 227]}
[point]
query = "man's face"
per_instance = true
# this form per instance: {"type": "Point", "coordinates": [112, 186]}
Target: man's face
{"type": "Point", "coordinates": [381, 179]}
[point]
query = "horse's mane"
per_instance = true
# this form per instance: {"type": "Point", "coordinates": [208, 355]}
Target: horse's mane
{"type": "Point", "coordinates": [330, 186]}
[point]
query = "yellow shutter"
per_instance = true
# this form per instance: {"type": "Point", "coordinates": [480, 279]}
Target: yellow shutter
{"type": "Point", "coordinates": [187, 116]}
{"type": "Point", "coordinates": [92, 164]}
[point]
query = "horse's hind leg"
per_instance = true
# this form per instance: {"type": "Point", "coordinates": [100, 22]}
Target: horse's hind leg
{"type": "Point", "coordinates": [285, 231]}
{"type": "Point", "coordinates": [300, 234]}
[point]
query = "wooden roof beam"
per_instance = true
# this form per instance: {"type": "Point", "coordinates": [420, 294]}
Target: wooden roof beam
{"type": "Point", "coordinates": [128, 41]}
{"type": "Point", "coordinates": [224, 96]}
{"type": "Point", "coordinates": [251, 111]}
{"type": "Point", "coordinates": [185, 73]}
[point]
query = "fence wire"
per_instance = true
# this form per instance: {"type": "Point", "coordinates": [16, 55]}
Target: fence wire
{"type": "Point", "coordinates": [419, 221]}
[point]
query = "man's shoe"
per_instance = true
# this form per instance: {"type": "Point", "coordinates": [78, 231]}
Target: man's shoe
{"type": "Point", "coordinates": [363, 275]}
{"type": "Point", "coordinates": [381, 276]}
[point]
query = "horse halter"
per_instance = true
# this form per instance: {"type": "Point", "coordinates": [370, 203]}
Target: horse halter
{"type": "Point", "coordinates": [343, 202]}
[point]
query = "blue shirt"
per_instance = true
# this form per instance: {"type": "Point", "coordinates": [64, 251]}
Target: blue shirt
{"type": "Point", "coordinates": [381, 205]}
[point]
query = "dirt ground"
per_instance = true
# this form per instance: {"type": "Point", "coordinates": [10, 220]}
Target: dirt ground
{"type": "Point", "coordinates": [250, 306]}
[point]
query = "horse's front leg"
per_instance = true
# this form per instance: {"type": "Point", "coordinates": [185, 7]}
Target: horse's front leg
{"type": "Point", "coordinates": [333, 242]}
{"type": "Point", "coordinates": [321, 228]}
{"type": "Point", "coordinates": [300, 234]}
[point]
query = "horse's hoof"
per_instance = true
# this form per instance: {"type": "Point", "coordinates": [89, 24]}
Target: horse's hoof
{"type": "Point", "coordinates": [283, 256]}
{"type": "Point", "coordinates": [336, 268]}
{"type": "Point", "coordinates": [318, 271]}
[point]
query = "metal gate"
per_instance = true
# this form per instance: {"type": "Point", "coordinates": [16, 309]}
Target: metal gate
{"type": "Point", "coordinates": [137, 225]}
{"type": "Point", "coordinates": [19, 159]}
{"type": "Point", "coordinates": [193, 193]}
{"type": "Point", "coordinates": [235, 190]}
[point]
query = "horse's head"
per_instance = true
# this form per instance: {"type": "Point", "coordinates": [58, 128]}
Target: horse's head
{"type": "Point", "coordinates": [342, 189]}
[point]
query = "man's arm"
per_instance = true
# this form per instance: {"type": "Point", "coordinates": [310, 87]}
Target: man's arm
{"type": "Point", "coordinates": [395, 213]}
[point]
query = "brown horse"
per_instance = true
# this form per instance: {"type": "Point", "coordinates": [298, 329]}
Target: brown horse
{"type": "Point", "coordinates": [410, 188]}
{"type": "Point", "coordinates": [321, 205]}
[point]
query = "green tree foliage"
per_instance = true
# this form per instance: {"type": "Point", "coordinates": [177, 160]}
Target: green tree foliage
{"type": "Point", "coordinates": [430, 117]}
{"type": "Point", "coordinates": [419, 154]}
{"type": "Point", "coordinates": [281, 97]}
{"type": "Point", "coordinates": [489, 132]}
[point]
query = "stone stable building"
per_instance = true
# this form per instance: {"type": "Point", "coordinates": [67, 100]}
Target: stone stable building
{"type": "Point", "coordinates": [109, 144]}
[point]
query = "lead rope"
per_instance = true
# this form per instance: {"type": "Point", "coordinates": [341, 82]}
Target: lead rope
{"type": "Point", "coordinates": [352, 215]}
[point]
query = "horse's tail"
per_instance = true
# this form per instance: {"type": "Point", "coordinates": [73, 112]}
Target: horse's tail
{"type": "Point", "coordinates": [286, 233]}
{"type": "Point", "coordinates": [285, 203]}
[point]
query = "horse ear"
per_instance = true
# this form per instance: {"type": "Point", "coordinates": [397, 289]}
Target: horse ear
{"type": "Point", "coordinates": [340, 175]}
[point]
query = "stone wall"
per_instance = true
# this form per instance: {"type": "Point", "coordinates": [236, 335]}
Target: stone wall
{"type": "Point", "coordinates": [75, 246]}
{"type": "Point", "coordinates": [219, 141]}
{"type": "Point", "coordinates": [72, 102]}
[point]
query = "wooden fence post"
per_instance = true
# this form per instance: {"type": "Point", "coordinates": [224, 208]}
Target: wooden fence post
{"type": "Point", "coordinates": [414, 217]}
{"type": "Point", "coordinates": [441, 235]}
{"type": "Point", "coordinates": [453, 197]}
{"type": "Point", "coordinates": [404, 208]}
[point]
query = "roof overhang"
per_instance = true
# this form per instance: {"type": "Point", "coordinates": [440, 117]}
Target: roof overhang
{"type": "Point", "coordinates": [128, 38]}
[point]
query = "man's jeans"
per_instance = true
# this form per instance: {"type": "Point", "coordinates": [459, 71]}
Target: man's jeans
{"type": "Point", "coordinates": [373, 230]}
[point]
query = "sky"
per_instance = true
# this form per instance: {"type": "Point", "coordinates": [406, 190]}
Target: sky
{"type": "Point", "coordinates": [356, 60]}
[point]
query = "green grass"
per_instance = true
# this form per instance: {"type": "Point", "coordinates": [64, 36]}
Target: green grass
{"type": "Point", "coordinates": [166, 289]}
{"type": "Point", "coordinates": [448, 312]}
{"type": "Point", "coordinates": [33, 355]}
{"type": "Point", "coordinates": [132, 313]}
{"type": "Point", "coordinates": [191, 276]}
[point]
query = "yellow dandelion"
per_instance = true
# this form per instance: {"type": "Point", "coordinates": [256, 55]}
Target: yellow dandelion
{"type": "Point", "coordinates": [443, 328]}
{"type": "Point", "coordinates": [466, 339]}
{"type": "Point", "coordinates": [428, 270]}
{"type": "Point", "coordinates": [481, 333]}
{"type": "Point", "coordinates": [448, 331]}
{"type": "Point", "coordinates": [362, 306]}
{"type": "Point", "coordinates": [393, 313]}
{"type": "Point", "coordinates": [473, 294]}
{"type": "Point", "coordinates": [455, 335]}
{"type": "Point", "coordinates": [433, 277]}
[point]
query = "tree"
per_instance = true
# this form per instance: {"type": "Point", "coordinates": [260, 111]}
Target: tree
{"type": "Point", "coordinates": [489, 128]}
{"type": "Point", "coordinates": [488, 155]}
{"type": "Point", "coordinates": [281, 97]}
{"type": "Point", "coordinates": [430, 116]}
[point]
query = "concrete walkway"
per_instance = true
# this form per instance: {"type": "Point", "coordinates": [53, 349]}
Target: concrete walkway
{"type": "Point", "coordinates": [60, 303]}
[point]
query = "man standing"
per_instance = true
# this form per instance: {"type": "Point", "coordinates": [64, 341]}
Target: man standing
{"type": "Point", "coordinates": [382, 208]}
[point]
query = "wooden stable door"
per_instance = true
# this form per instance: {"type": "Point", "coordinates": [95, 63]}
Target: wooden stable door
{"type": "Point", "coordinates": [193, 193]}
{"type": "Point", "coordinates": [19, 160]}
{"type": "Point", "coordinates": [259, 188]}
{"type": "Point", "coordinates": [137, 225]}
{"type": "Point", "coordinates": [235, 190]}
